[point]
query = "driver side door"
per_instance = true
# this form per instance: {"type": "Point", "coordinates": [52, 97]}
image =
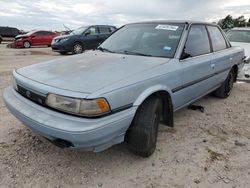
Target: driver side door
{"type": "Point", "coordinates": [91, 38]}
{"type": "Point", "coordinates": [197, 70]}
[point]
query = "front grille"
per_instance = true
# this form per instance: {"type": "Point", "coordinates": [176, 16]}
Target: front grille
{"type": "Point", "coordinates": [31, 95]}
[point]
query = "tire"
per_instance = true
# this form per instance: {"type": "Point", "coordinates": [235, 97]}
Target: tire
{"type": "Point", "coordinates": [225, 89]}
{"type": "Point", "coordinates": [26, 44]}
{"type": "Point", "coordinates": [77, 48]}
{"type": "Point", "coordinates": [141, 137]}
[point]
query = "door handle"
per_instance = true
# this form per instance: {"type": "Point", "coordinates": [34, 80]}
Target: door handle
{"type": "Point", "coordinates": [212, 66]}
{"type": "Point", "coordinates": [231, 58]}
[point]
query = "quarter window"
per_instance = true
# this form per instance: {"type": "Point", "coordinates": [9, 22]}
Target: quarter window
{"type": "Point", "coordinates": [104, 30]}
{"type": "Point", "coordinates": [218, 41]}
{"type": "Point", "coordinates": [197, 42]}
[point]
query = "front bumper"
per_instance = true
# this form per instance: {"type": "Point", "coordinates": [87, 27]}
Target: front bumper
{"type": "Point", "coordinates": [19, 44]}
{"type": "Point", "coordinates": [89, 134]}
{"type": "Point", "coordinates": [60, 48]}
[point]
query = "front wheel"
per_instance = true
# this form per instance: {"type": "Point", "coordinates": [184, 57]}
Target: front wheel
{"type": "Point", "coordinates": [226, 88]}
{"type": "Point", "coordinates": [77, 48]}
{"type": "Point", "coordinates": [26, 44]}
{"type": "Point", "coordinates": [141, 137]}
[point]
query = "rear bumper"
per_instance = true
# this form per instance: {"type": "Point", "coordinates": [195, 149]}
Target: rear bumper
{"type": "Point", "coordinates": [89, 134]}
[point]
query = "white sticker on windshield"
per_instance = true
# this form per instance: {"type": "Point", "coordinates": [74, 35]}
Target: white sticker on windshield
{"type": "Point", "coordinates": [168, 48]}
{"type": "Point", "coordinates": [167, 27]}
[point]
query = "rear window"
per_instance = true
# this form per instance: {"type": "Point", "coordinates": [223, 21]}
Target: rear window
{"type": "Point", "coordinates": [239, 36]}
{"type": "Point", "coordinates": [218, 41]}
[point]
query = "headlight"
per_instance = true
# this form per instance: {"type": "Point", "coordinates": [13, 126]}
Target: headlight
{"type": "Point", "coordinates": [14, 83]}
{"type": "Point", "coordinates": [63, 39]}
{"type": "Point", "coordinates": [19, 39]}
{"type": "Point", "coordinates": [76, 106]}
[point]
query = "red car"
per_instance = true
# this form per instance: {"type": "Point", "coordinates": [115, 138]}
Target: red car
{"type": "Point", "coordinates": [35, 38]}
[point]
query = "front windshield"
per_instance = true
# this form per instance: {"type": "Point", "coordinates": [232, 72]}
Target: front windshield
{"type": "Point", "coordinates": [78, 31]}
{"type": "Point", "coordinates": [158, 40]}
{"type": "Point", "coordinates": [239, 36]}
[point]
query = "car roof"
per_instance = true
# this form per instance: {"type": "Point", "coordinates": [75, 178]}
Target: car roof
{"type": "Point", "coordinates": [97, 26]}
{"type": "Point", "coordinates": [175, 21]}
{"type": "Point", "coordinates": [241, 29]}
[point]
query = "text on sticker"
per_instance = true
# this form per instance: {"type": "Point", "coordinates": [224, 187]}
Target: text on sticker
{"type": "Point", "coordinates": [167, 27]}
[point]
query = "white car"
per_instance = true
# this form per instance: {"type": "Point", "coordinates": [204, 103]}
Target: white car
{"type": "Point", "coordinates": [241, 37]}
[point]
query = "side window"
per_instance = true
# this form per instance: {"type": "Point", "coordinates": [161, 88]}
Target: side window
{"type": "Point", "coordinates": [38, 34]}
{"type": "Point", "coordinates": [197, 42]}
{"type": "Point", "coordinates": [93, 31]}
{"type": "Point", "coordinates": [112, 29]}
{"type": "Point", "coordinates": [47, 33]}
{"type": "Point", "coordinates": [104, 30]}
{"type": "Point", "coordinates": [218, 41]}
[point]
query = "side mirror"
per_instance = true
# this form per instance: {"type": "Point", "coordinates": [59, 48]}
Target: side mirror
{"type": "Point", "coordinates": [184, 54]}
{"type": "Point", "coordinates": [87, 33]}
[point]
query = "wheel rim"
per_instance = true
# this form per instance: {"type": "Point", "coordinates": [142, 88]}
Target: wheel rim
{"type": "Point", "coordinates": [77, 49]}
{"type": "Point", "coordinates": [26, 44]}
{"type": "Point", "coordinates": [230, 82]}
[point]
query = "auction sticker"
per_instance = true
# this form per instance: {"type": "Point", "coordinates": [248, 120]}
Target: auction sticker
{"type": "Point", "coordinates": [167, 27]}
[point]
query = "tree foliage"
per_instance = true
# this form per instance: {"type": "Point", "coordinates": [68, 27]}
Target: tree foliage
{"type": "Point", "coordinates": [229, 22]}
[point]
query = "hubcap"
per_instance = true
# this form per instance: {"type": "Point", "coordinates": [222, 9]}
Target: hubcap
{"type": "Point", "coordinates": [26, 44]}
{"type": "Point", "coordinates": [78, 48]}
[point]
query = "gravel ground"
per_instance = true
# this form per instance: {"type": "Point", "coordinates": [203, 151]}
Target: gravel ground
{"type": "Point", "coordinates": [210, 149]}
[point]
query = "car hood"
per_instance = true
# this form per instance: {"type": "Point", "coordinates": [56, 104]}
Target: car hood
{"type": "Point", "coordinates": [246, 47]}
{"type": "Point", "coordinates": [90, 71]}
{"type": "Point", "coordinates": [61, 36]}
{"type": "Point", "coordinates": [20, 36]}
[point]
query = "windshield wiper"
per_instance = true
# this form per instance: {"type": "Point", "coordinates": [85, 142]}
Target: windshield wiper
{"type": "Point", "coordinates": [104, 49]}
{"type": "Point", "coordinates": [136, 53]}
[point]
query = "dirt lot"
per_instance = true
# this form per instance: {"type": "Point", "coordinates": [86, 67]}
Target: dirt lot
{"type": "Point", "coordinates": [210, 149]}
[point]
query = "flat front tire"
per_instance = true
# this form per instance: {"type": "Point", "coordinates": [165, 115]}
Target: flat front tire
{"type": "Point", "coordinates": [141, 137]}
{"type": "Point", "coordinates": [226, 88]}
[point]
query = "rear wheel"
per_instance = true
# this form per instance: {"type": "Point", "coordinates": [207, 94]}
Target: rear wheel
{"type": "Point", "coordinates": [141, 137]}
{"type": "Point", "coordinates": [77, 48]}
{"type": "Point", "coordinates": [26, 44]}
{"type": "Point", "coordinates": [226, 88]}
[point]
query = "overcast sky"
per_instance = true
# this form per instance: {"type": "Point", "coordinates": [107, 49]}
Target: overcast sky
{"type": "Point", "coordinates": [52, 14]}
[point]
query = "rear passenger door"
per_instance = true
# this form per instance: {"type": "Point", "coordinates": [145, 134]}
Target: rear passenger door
{"type": "Point", "coordinates": [222, 54]}
{"type": "Point", "coordinates": [196, 65]}
{"type": "Point", "coordinates": [105, 32]}
{"type": "Point", "coordinates": [47, 37]}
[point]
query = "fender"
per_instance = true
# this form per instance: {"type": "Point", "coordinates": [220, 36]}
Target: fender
{"type": "Point", "coordinates": [149, 91]}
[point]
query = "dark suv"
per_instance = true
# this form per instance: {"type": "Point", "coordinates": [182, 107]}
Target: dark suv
{"type": "Point", "coordinates": [9, 31]}
{"type": "Point", "coordinates": [83, 38]}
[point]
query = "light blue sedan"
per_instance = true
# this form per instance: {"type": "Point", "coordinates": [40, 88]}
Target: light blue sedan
{"type": "Point", "coordinates": [136, 79]}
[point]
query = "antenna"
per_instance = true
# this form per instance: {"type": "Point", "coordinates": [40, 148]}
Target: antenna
{"type": "Point", "coordinates": [67, 28]}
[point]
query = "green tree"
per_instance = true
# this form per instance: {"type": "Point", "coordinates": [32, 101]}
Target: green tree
{"type": "Point", "coordinates": [240, 22]}
{"type": "Point", "coordinates": [227, 22]}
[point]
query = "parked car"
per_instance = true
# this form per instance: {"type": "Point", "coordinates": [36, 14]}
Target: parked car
{"type": "Point", "coordinates": [83, 38]}
{"type": "Point", "coordinates": [139, 76]}
{"type": "Point", "coordinates": [241, 37]}
{"type": "Point", "coordinates": [35, 38]}
{"type": "Point", "coordinates": [1, 39]}
{"type": "Point", "coordinates": [9, 31]}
